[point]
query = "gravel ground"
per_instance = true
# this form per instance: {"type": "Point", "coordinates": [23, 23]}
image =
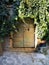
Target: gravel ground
{"type": "Point", "coordinates": [21, 58]}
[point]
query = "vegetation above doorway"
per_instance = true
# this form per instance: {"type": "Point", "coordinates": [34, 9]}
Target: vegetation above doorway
{"type": "Point", "coordinates": [37, 9]}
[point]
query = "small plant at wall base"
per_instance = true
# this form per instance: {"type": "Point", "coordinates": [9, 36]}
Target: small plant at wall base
{"type": "Point", "coordinates": [37, 9]}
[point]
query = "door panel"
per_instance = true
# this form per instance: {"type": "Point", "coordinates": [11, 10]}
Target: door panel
{"type": "Point", "coordinates": [18, 39]}
{"type": "Point", "coordinates": [29, 37]}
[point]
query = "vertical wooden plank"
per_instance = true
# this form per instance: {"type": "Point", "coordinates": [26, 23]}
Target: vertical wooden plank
{"type": "Point", "coordinates": [11, 40]}
{"type": "Point", "coordinates": [1, 51]}
{"type": "Point", "coordinates": [11, 46]}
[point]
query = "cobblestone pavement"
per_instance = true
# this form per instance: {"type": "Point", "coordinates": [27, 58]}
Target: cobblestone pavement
{"type": "Point", "coordinates": [21, 58]}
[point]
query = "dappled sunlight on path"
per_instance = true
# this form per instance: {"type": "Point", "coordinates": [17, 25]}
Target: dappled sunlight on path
{"type": "Point", "coordinates": [21, 58]}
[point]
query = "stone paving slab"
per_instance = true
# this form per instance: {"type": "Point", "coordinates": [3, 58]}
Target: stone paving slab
{"type": "Point", "coordinates": [20, 58]}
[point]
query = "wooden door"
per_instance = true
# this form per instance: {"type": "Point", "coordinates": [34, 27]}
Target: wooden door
{"type": "Point", "coordinates": [29, 36]}
{"type": "Point", "coordinates": [24, 37]}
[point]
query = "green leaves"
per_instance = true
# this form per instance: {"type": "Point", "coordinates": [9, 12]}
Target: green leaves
{"type": "Point", "coordinates": [37, 9]}
{"type": "Point", "coordinates": [26, 8]}
{"type": "Point", "coordinates": [7, 17]}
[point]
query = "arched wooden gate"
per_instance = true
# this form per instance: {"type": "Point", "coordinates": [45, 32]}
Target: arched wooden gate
{"type": "Point", "coordinates": [25, 37]}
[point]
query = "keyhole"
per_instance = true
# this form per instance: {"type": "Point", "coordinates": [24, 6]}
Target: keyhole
{"type": "Point", "coordinates": [28, 29]}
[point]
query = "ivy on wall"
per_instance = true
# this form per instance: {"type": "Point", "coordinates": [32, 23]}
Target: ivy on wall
{"type": "Point", "coordinates": [37, 9]}
{"type": "Point", "coordinates": [7, 16]}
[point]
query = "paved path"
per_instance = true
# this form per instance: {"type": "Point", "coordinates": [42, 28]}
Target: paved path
{"type": "Point", "coordinates": [20, 58]}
